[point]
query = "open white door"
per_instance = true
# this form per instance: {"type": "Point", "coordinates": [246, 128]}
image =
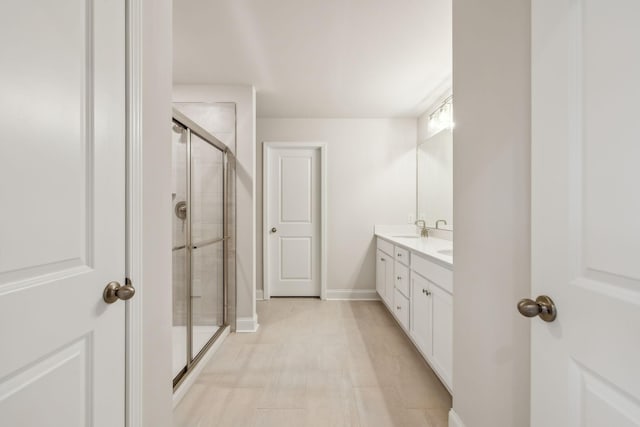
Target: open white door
{"type": "Point", "coordinates": [292, 205]}
{"type": "Point", "coordinates": [586, 212]}
{"type": "Point", "coordinates": [62, 228]}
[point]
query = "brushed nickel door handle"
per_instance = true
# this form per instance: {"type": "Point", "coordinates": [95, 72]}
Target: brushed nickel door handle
{"type": "Point", "coordinates": [115, 291]}
{"type": "Point", "coordinates": [273, 229]}
{"type": "Point", "coordinates": [543, 306]}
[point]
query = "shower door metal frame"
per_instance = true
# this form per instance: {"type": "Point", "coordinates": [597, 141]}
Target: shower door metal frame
{"type": "Point", "coordinates": [193, 128]}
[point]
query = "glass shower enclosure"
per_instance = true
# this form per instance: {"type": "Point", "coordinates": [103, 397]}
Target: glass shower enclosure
{"type": "Point", "coordinates": [203, 200]}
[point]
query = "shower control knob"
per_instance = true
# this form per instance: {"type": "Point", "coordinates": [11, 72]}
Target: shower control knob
{"type": "Point", "coordinates": [181, 210]}
{"type": "Point", "coordinates": [273, 229]}
{"type": "Point", "coordinates": [115, 291]}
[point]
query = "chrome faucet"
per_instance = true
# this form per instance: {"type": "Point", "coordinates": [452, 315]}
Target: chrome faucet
{"type": "Point", "coordinates": [439, 221]}
{"type": "Point", "coordinates": [424, 231]}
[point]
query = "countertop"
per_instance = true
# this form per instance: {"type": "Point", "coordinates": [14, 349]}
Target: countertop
{"type": "Point", "coordinates": [432, 247]}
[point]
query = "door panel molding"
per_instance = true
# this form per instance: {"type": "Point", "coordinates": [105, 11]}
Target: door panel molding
{"type": "Point", "coordinates": [322, 147]}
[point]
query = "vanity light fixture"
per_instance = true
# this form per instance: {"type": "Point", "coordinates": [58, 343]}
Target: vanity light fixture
{"type": "Point", "coordinates": [442, 117]}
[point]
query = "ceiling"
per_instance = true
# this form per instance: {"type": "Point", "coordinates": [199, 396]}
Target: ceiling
{"type": "Point", "coordinates": [319, 58]}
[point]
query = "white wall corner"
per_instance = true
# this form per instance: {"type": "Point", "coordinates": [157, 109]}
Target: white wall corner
{"type": "Point", "coordinates": [454, 419]}
{"type": "Point", "coordinates": [352, 294]}
{"type": "Point", "coordinates": [247, 324]}
{"type": "Point", "coordinates": [259, 294]}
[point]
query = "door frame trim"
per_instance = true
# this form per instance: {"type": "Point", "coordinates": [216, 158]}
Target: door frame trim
{"type": "Point", "coordinates": [134, 215]}
{"type": "Point", "coordinates": [266, 147]}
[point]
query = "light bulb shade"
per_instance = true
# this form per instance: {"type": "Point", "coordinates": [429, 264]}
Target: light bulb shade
{"type": "Point", "coordinates": [442, 117]}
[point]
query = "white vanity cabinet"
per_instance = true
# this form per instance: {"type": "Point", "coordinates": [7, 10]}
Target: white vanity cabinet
{"type": "Point", "coordinates": [384, 276]}
{"type": "Point", "coordinates": [421, 318]}
{"type": "Point", "coordinates": [419, 293]}
{"type": "Point", "coordinates": [432, 314]}
{"type": "Point", "coordinates": [401, 304]}
{"type": "Point", "coordinates": [442, 345]}
{"type": "Point", "coordinates": [384, 271]}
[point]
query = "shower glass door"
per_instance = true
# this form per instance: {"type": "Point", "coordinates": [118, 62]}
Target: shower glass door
{"type": "Point", "coordinates": [179, 252]}
{"type": "Point", "coordinates": [207, 242]}
{"type": "Point", "coordinates": [203, 260]}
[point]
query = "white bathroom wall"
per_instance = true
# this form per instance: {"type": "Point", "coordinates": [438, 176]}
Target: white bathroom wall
{"type": "Point", "coordinates": [371, 180]}
{"type": "Point", "coordinates": [491, 143]}
{"type": "Point", "coordinates": [244, 98]}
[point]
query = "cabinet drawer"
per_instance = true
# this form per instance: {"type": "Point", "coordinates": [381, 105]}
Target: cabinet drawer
{"type": "Point", "coordinates": [402, 278]}
{"type": "Point", "coordinates": [434, 272]}
{"type": "Point", "coordinates": [401, 309]}
{"type": "Point", "coordinates": [385, 246]}
{"type": "Point", "coordinates": [402, 255]}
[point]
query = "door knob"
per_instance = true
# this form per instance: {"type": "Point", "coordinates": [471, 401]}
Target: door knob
{"type": "Point", "coordinates": [115, 291]}
{"type": "Point", "coordinates": [273, 230]}
{"type": "Point", "coordinates": [543, 306]}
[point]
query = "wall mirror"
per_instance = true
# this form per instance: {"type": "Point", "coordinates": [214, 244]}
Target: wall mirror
{"type": "Point", "coordinates": [435, 180]}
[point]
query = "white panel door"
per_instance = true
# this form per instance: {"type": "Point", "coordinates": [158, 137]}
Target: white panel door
{"type": "Point", "coordinates": [293, 232]}
{"type": "Point", "coordinates": [62, 215]}
{"type": "Point", "coordinates": [586, 212]}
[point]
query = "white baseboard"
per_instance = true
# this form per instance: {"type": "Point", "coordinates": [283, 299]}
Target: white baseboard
{"type": "Point", "coordinates": [197, 370]}
{"type": "Point", "coordinates": [247, 324]}
{"type": "Point", "coordinates": [454, 419]}
{"type": "Point", "coordinates": [352, 294]}
{"type": "Point", "coordinates": [259, 294]}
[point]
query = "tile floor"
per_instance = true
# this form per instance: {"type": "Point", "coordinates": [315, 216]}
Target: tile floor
{"type": "Point", "coordinates": [317, 363]}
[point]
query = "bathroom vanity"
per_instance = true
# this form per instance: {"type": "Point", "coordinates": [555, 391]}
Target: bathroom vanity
{"type": "Point", "coordinates": [414, 278]}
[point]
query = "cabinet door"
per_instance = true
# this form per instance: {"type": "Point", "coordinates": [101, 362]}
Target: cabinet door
{"type": "Point", "coordinates": [401, 274]}
{"type": "Point", "coordinates": [389, 282]}
{"type": "Point", "coordinates": [421, 320]}
{"type": "Point", "coordinates": [382, 263]}
{"type": "Point", "coordinates": [401, 309]}
{"type": "Point", "coordinates": [442, 306]}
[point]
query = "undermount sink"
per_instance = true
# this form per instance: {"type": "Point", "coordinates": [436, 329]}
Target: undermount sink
{"type": "Point", "coordinates": [448, 252]}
